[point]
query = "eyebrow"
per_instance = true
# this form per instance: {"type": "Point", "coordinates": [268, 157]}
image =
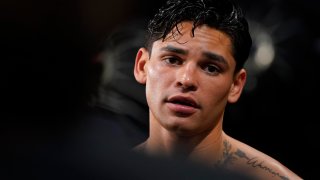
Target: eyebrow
{"type": "Point", "coordinates": [209, 55]}
{"type": "Point", "coordinates": [174, 49]}
{"type": "Point", "coordinates": [215, 57]}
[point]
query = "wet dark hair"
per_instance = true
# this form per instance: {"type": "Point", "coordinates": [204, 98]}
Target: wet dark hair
{"type": "Point", "coordinates": [223, 15]}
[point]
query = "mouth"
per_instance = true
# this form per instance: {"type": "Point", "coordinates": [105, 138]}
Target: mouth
{"type": "Point", "coordinates": [184, 101]}
{"type": "Point", "coordinates": [182, 106]}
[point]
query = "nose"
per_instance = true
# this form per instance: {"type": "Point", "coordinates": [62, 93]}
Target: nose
{"type": "Point", "coordinates": [187, 78]}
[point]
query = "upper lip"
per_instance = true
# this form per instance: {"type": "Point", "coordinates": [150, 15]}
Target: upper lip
{"type": "Point", "coordinates": [184, 100]}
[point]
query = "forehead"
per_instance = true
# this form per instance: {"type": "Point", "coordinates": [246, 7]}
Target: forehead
{"type": "Point", "coordinates": [205, 39]}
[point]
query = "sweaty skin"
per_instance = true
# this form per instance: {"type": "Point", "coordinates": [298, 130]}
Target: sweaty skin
{"type": "Point", "coordinates": [189, 81]}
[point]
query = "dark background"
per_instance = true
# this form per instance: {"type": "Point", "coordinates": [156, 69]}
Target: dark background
{"type": "Point", "coordinates": [46, 76]}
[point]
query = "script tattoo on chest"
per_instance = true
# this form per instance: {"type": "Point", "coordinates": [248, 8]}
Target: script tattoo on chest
{"type": "Point", "coordinates": [256, 163]}
{"type": "Point", "coordinates": [229, 157]}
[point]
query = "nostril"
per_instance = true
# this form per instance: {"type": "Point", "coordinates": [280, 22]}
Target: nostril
{"type": "Point", "coordinates": [186, 86]}
{"type": "Point", "coordinates": [191, 88]}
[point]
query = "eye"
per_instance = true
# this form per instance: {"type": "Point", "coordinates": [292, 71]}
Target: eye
{"type": "Point", "coordinates": [211, 69]}
{"type": "Point", "coordinates": [173, 61]}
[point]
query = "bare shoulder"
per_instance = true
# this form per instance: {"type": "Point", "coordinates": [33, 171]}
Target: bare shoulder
{"type": "Point", "coordinates": [247, 159]}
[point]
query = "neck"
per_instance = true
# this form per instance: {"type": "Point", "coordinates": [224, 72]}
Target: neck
{"type": "Point", "coordinates": [206, 146]}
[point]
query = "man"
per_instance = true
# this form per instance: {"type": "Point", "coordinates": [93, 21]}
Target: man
{"type": "Point", "coordinates": [192, 67]}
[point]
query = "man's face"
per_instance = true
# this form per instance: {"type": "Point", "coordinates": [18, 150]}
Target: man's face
{"type": "Point", "coordinates": [189, 80]}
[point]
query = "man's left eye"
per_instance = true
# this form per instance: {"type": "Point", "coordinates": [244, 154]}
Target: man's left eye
{"type": "Point", "coordinates": [211, 69]}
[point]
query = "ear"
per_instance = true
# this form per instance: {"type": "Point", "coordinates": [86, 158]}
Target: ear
{"type": "Point", "coordinates": [139, 67]}
{"type": "Point", "coordinates": [237, 86]}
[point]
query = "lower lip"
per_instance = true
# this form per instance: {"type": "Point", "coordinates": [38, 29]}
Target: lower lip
{"type": "Point", "coordinates": [181, 109]}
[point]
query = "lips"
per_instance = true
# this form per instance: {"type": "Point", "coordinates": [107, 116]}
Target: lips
{"type": "Point", "coordinates": [182, 106]}
{"type": "Point", "coordinates": [185, 101]}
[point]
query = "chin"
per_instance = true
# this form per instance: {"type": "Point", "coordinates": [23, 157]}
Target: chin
{"type": "Point", "coordinates": [183, 129]}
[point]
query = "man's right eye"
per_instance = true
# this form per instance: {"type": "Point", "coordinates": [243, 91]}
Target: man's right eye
{"type": "Point", "coordinates": [173, 61]}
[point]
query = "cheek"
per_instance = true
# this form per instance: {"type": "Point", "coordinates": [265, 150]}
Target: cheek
{"type": "Point", "coordinates": [153, 84]}
{"type": "Point", "coordinates": [157, 76]}
{"type": "Point", "coordinates": [214, 104]}
{"type": "Point", "coordinates": [217, 94]}
{"type": "Point", "coordinates": [152, 71]}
